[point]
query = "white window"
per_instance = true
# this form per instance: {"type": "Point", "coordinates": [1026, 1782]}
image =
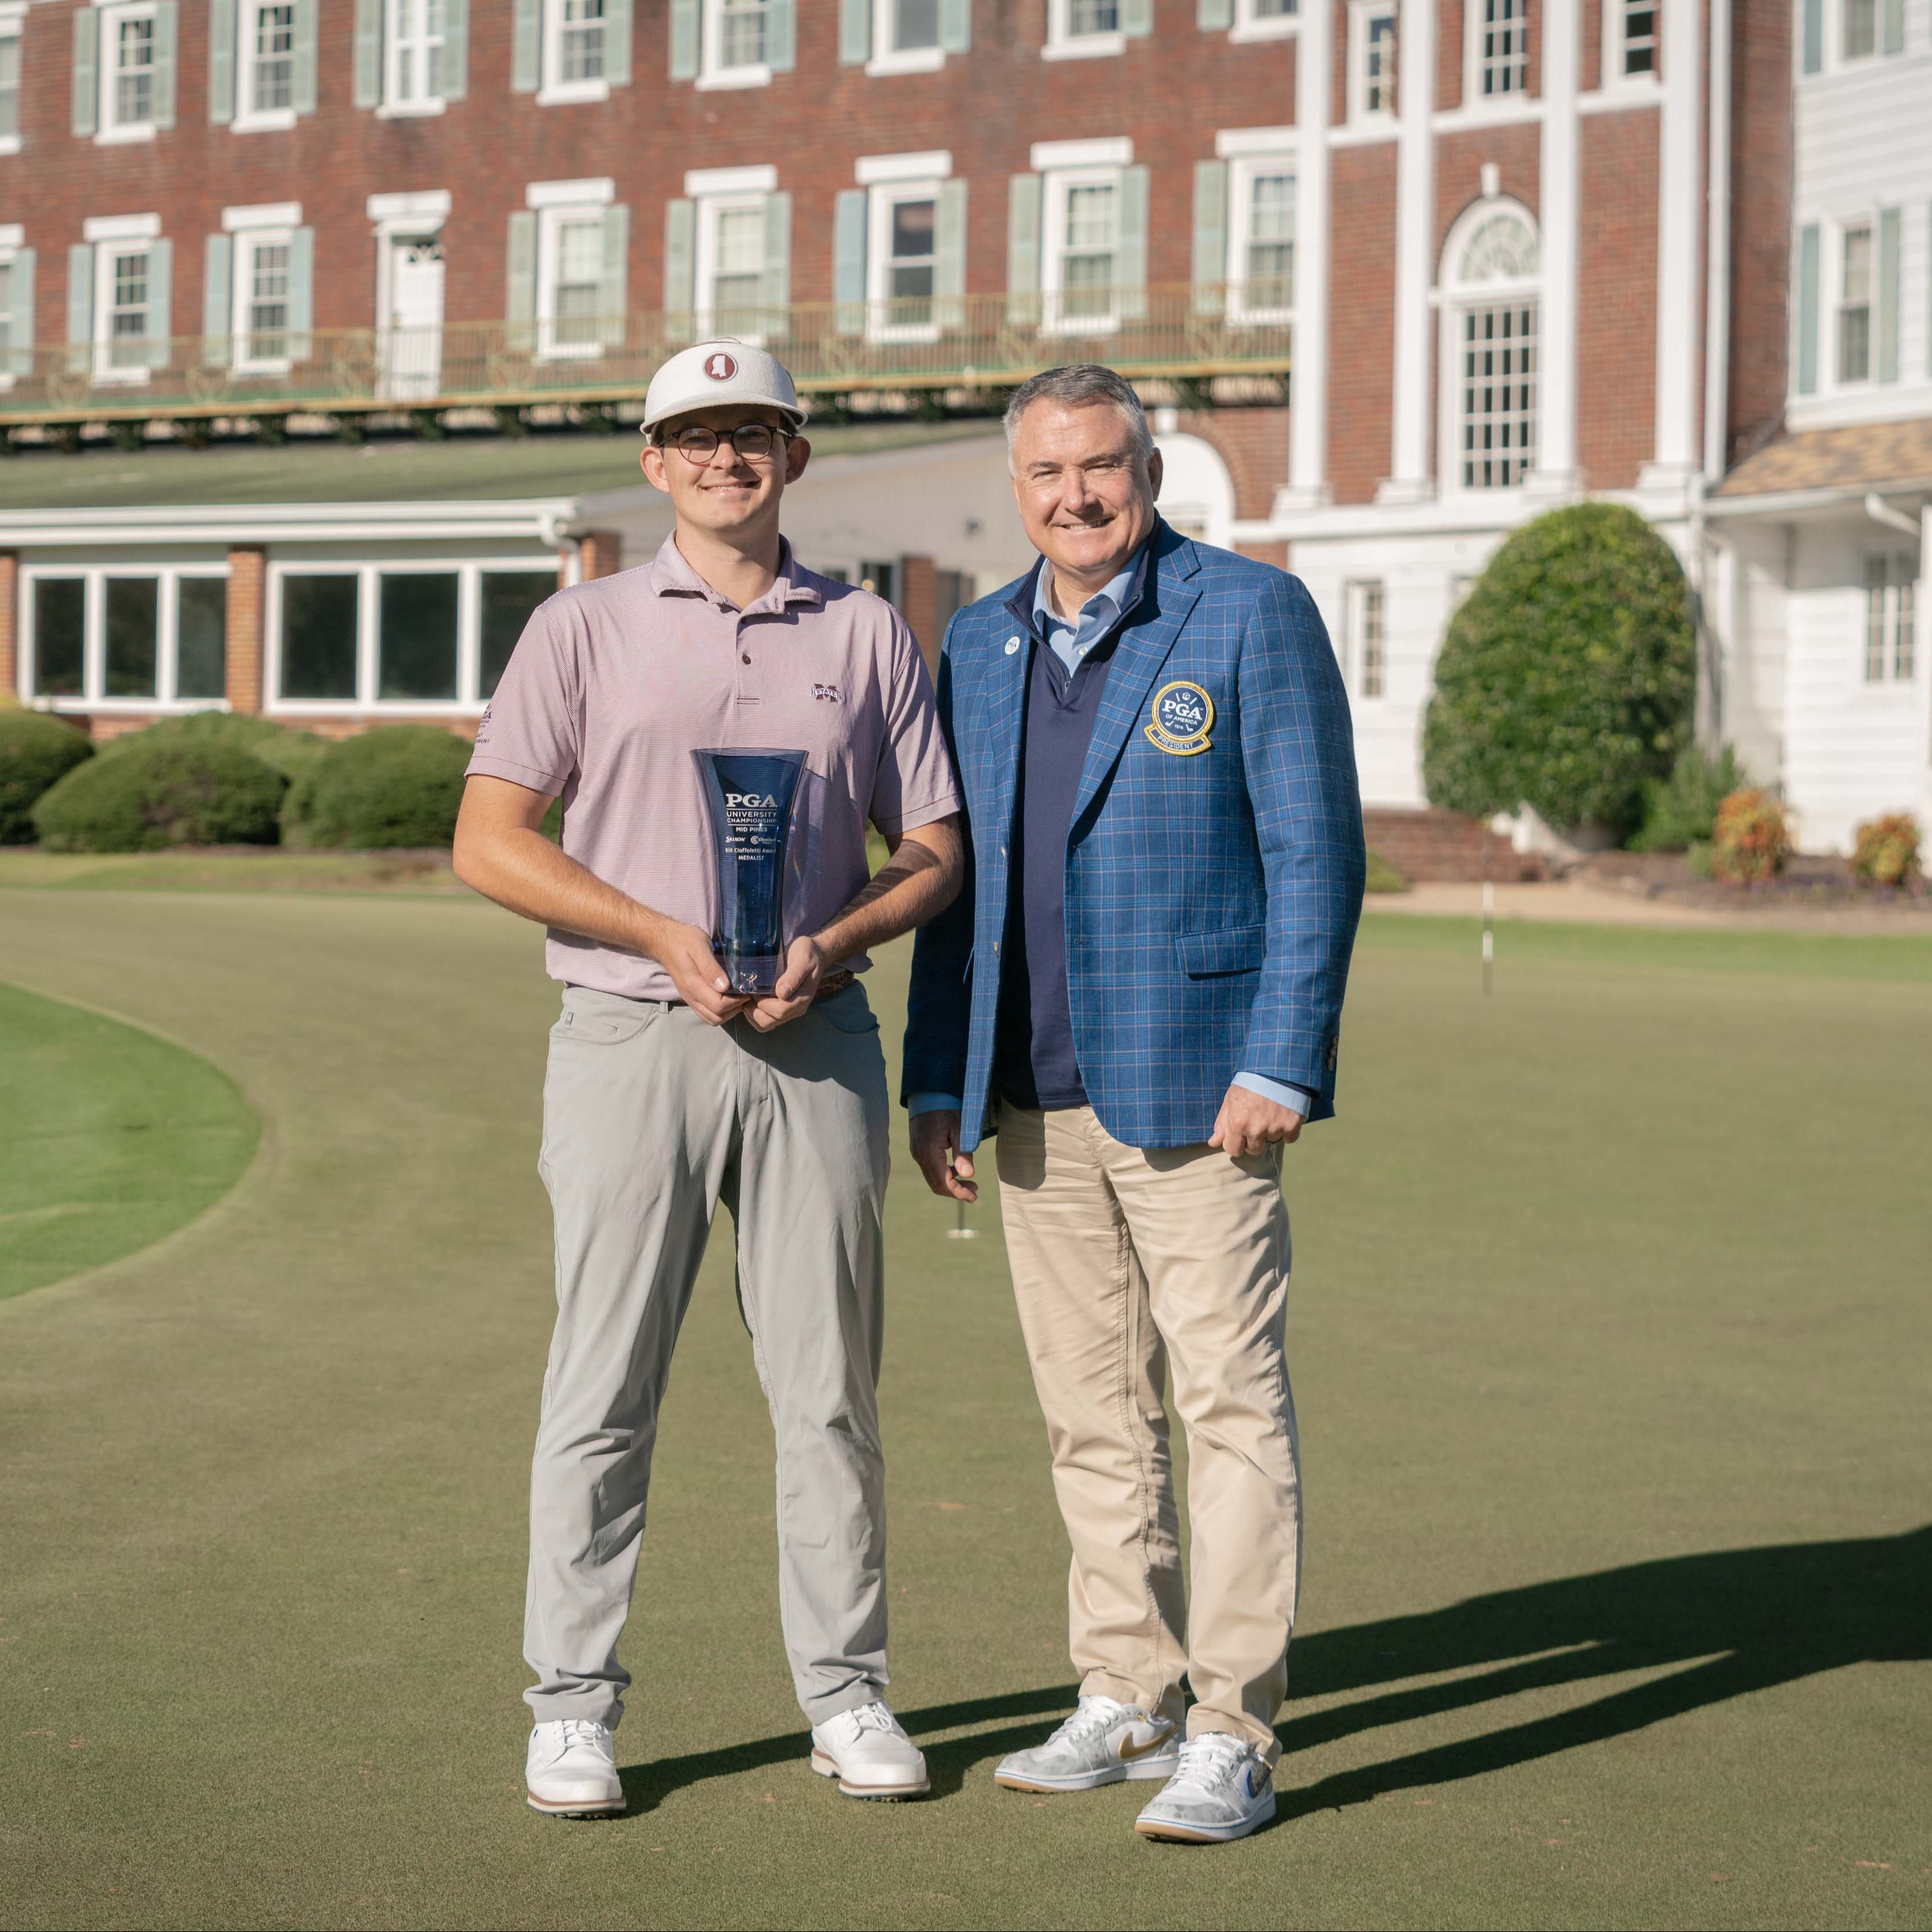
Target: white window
{"type": "Point", "coordinates": [264, 260]}
{"type": "Point", "coordinates": [731, 276]}
{"type": "Point", "coordinates": [1082, 240]}
{"type": "Point", "coordinates": [1078, 28]}
{"type": "Point", "coordinates": [1264, 19]}
{"type": "Point", "coordinates": [902, 261]}
{"type": "Point", "coordinates": [1854, 304]}
{"type": "Point", "coordinates": [1500, 48]}
{"type": "Point", "coordinates": [1889, 650]}
{"type": "Point", "coordinates": [412, 53]}
{"type": "Point", "coordinates": [7, 331]}
{"type": "Point", "coordinates": [1371, 42]}
{"type": "Point", "coordinates": [1261, 257]}
{"type": "Point", "coordinates": [266, 64]}
{"type": "Point", "coordinates": [9, 81]}
{"type": "Point", "coordinates": [424, 636]}
{"type": "Point", "coordinates": [124, 321]}
{"type": "Point", "coordinates": [132, 637]}
{"type": "Point", "coordinates": [1859, 27]}
{"type": "Point", "coordinates": [734, 52]}
{"type": "Point", "coordinates": [907, 37]}
{"type": "Point", "coordinates": [1366, 639]}
{"type": "Point", "coordinates": [578, 26]}
{"type": "Point", "coordinates": [128, 50]}
{"type": "Point", "coordinates": [1490, 309]}
{"type": "Point", "coordinates": [1634, 25]}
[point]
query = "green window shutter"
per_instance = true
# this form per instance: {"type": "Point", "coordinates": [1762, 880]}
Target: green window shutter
{"type": "Point", "coordinates": [948, 265]}
{"type": "Point", "coordinates": [20, 329]}
{"type": "Point", "coordinates": [1210, 237]}
{"type": "Point", "coordinates": [1023, 249]}
{"type": "Point", "coordinates": [1892, 40]}
{"type": "Point", "coordinates": [775, 296]}
{"type": "Point", "coordinates": [955, 26]}
{"type": "Point", "coordinates": [218, 298]}
{"type": "Point", "coordinates": [680, 259]}
{"type": "Point", "coordinates": [850, 214]}
{"type": "Point", "coordinates": [1211, 15]}
{"type": "Point", "coordinates": [855, 32]}
{"type": "Point", "coordinates": [1136, 19]}
{"type": "Point", "coordinates": [368, 53]}
{"type": "Point", "coordinates": [1814, 36]}
{"type": "Point", "coordinates": [1130, 257]}
{"type": "Point", "coordinates": [160, 302]}
{"type": "Point", "coordinates": [684, 26]}
{"type": "Point", "coordinates": [614, 296]}
{"type": "Point", "coordinates": [452, 71]}
{"type": "Point", "coordinates": [519, 299]}
{"type": "Point", "coordinates": [1807, 311]}
{"type": "Point", "coordinates": [304, 62]}
{"type": "Point", "coordinates": [617, 42]}
{"type": "Point", "coordinates": [86, 70]}
{"type": "Point", "coordinates": [166, 33]}
{"type": "Point", "coordinates": [526, 48]}
{"type": "Point", "coordinates": [301, 294]}
{"type": "Point", "coordinates": [1890, 230]}
{"type": "Point", "coordinates": [780, 35]}
{"type": "Point", "coordinates": [80, 307]}
{"type": "Point", "coordinates": [221, 61]}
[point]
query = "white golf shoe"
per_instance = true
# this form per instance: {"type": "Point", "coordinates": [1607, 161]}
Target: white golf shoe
{"type": "Point", "coordinates": [1222, 1789]}
{"type": "Point", "coordinates": [572, 1771]}
{"type": "Point", "coordinates": [867, 1751]}
{"type": "Point", "coordinates": [1104, 1742]}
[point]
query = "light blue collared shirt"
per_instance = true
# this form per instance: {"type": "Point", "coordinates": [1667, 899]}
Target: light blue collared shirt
{"type": "Point", "coordinates": [1070, 639]}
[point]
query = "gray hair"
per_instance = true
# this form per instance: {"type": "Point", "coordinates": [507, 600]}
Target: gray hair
{"type": "Point", "coordinates": [1079, 385]}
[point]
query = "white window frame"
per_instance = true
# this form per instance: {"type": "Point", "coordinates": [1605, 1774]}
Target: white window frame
{"type": "Point", "coordinates": [109, 128]}
{"type": "Point", "coordinates": [551, 219]}
{"type": "Point", "coordinates": [1063, 43]}
{"type": "Point", "coordinates": [1456, 299]}
{"type": "Point", "coordinates": [1474, 101]}
{"type": "Point", "coordinates": [1243, 170]}
{"type": "Point", "coordinates": [1250, 26]}
{"type": "Point", "coordinates": [1891, 621]}
{"type": "Point", "coordinates": [557, 91]}
{"type": "Point", "coordinates": [881, 199]}
{"type": "Point", "coordinates": [1361, 597]}
{"type": "Point", "coordinates": [888, 56]}
{"type": "Point", "coordinates": [1842, 231]}
{"type": "Point", "coordinates": [1056, 185]}
{"type": "Point", "coordinates": [1360, 13]}
{"type": "Point", "coordinates": [13, 20]}
{"type": "Point", "coordinates": [249, 118]}
{"type": "Point", "coordinates": [712, 71]}
{"type": "Point", "coordinates": [241, 286]}
{"type": "Point", "coordinates": [1616, 23]}
{"type": "Point", "coordinates": [469, 572]}
{"type": "Point", "coordinates": [704, 255]}
{"type": "Point", "coordinates": [393, 107]}
{"type": "Point", "coordinates": [109, 239]}
{"type": "Point", "coordinates": [94, 639]}
{"type": "Point", "coordinates": [12, 239]}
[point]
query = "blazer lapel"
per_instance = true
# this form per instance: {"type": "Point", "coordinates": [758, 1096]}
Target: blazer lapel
{"type": "Point", "coordinates": [1006, 707]}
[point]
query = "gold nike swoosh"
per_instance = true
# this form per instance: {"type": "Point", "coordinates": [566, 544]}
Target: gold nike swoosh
{"type": "Point", "coordinates": [1129, 1750]}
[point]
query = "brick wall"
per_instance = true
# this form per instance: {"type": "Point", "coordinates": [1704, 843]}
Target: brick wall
{"type": "Point", "coordinates": [1616, 323]}
{"type": "Point", "coordinates": [1361, 319]}
{"type": "Point", "coordinates": [1253, 443]}
{"type": "Point", "coordinates": [1433, 844]}
{"type": "Point", "coordinates": [248, 589]}
{"type": "Point", "coordinates": [10, 624]}
{"type": "Point", "coordinates": [1761, 167]}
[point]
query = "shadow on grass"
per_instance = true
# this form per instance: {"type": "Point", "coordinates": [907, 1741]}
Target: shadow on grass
{"type": "Point", "coordinates": [1735, 1621]}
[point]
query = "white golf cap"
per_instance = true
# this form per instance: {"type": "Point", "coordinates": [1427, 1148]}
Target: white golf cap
{"type": "Point", "coordinates": [709, 373]}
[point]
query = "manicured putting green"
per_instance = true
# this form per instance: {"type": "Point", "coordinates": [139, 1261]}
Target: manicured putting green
{"type": "Point", "coordinates": [109, 1139]}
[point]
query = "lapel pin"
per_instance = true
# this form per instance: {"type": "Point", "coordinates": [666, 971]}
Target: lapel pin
{"type": "Point", "coordinates": [1012, 645]}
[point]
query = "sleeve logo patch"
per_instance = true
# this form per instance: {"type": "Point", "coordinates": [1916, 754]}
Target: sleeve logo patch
{"type": "Point", "coordinates": [1182, 717]}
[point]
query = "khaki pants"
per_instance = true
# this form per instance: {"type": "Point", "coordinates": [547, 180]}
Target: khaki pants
{"type": "Point", "coordinates": [1123, 1259]}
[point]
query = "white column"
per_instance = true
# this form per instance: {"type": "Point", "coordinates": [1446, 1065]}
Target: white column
{"type": "Point", "coordinates": [1409, 480]}
{"type": "Point", "coordinates": [1308, 432]}
{"type": "Point", "coordinates": [1555, 473]}
{"type": "Point", "coordinates": [1680, 199]}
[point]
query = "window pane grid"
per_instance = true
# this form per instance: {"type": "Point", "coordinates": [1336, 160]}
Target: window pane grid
{"type": "Point", "coordinates": [1269, 266]}
{"type": "Point", "coordinates": [580, 266]}
{"type": "Point", "coordinates": [915, 25]}
{"type": "Point", "coordinates": [134, 72]}
{"type": "Point", "coordinates": [415, 51]}
{"type": "Point", "coordinates": [1854, 307]}
{"type": "Point", "coordinates": [1093, 16]}
{"type": "Point", "coordinates": [1875, 602]}
{"type": "Point", "coordinates": [274, 57]}
{"type": "Point", "coordinates": [910, 263]}
{"type": "Point", "coordinates": [267, 298]}
{"type": "Point", "coordinates": [6, 303]}
{"type": "Point", "coordinates": [1368, 638]}
{"type": "Point", "coordinates": [739, 280]}
{"type": "Point", "coordinates": [741, 33]}
{"type": "Point", "coordinates": [1860, 28]}
{"type": "Point", "coordinates": [128, 312]}
{"type": "Point", "coordinates": [9, 84]}
{"type": "Point", "coordinates": [1378, 64]}
{"type": "Point", "coordinates": [582, 29]}
{"type": "Point", "coordinates": [1505, 46]}
{"type": "Point", "coordinates": [1498, 395]}
{"type": "Point", "coordinates": [1639, 36]}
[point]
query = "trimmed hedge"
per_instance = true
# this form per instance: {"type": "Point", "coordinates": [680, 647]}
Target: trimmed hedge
{"type": "Point", "coordinates": [1382, 877]}
{"type": "Point", "coordinates": [291, 753]}
{"type": "Point", "coordinates": [1567, 678]}
{"type": "Point", "coordinates": [36, 753]}
{"type": "Point", "coordinates": [171, 792]}
{"type": "Point", "coordinates": [400, 784]}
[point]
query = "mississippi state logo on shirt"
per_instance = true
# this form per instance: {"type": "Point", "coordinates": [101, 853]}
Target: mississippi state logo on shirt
{"type": "Point", "coordinates": [1182, 717]}
{"type": "Point", "coordinates": [720, 367]}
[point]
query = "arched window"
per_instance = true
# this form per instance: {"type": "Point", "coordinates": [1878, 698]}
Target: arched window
{"type": "Point", "coordinates": [1490, 270]}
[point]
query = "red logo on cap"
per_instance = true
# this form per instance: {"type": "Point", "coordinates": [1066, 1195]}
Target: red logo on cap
{"type": "Point", "coordinates": [720, 367]}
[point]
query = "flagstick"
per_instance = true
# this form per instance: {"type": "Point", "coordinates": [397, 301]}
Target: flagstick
{"type": "Point", "coordinates": [1489, 910]}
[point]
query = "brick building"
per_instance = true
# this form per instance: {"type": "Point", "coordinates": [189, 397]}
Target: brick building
{"type": "Point", "coordinates": [1504, 251]}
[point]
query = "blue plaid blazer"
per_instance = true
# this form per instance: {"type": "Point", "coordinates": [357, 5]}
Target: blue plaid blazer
{"type": "Point", "coordinates": [1211, 899]}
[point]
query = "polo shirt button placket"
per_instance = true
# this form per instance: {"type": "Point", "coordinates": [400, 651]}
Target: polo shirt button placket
{"type": "Point", "coordinates": [748, 676]}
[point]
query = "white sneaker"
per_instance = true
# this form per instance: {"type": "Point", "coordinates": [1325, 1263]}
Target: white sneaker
{"type": "Point", "coordinates": [867, 1751]}
{"type": "Point", "coordinates": [1104, 1742]}
{"type": "Point", "coordinates": [1223, 1789]}
{"type": "Point", "coordinates": [570, 1771]}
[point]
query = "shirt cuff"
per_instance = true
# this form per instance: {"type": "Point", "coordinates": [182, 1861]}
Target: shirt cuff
{"type": "Point", "coordinates": [1297, 1098]}
{"type": "Point", "coordinates": [932, 1103]}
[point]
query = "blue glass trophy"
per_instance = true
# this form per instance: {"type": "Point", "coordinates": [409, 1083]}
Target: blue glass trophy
{"type": "Point", "coordinates": [750, 794]}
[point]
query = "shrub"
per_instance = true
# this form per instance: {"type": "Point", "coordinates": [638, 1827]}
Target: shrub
{"type": "Point", "coordinates": [1886, 852]}
{"type": "Point", "coordinates": [1750, 842]}
{"type": "Point", "coordinates": [1679, 812]}
{"type": "Point", "coordinates": [400, 784]}
{"type": "Point", "coordinates": [1566, 677]}
{"type": "Point", "coordinates": [36, 752]}
{"type": "Point", "coordinates": [174, 792]}
{"type": "Point", "coordinates": [291, 753]}
{"type": "Point", "coordinates": [1383, 877]}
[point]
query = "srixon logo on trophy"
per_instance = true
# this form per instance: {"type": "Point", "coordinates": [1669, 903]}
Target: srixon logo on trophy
{"type": "Point", "coordinates": [750, 795]}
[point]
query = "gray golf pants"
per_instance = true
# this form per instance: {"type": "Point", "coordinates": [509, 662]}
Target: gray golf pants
{"type": "Point", "coordinates": [651, 1118]}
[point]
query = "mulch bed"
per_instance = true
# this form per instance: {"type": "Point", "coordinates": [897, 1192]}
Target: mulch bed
{"type": "Point", "coordinates": [1826, 883]}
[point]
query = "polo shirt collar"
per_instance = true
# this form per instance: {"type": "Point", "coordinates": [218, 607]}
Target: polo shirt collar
{"type": "Point", "coordinates": [671, 575]}
{"type": "Point", "coordinates": [1028, 605]}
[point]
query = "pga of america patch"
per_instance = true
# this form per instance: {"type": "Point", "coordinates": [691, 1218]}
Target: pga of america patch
{"type": "Point", "coordinates": [1182, 716]}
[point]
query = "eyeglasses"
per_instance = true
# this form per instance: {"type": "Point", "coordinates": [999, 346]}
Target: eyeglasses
{"type": "Point", "coordinates": [755, 442]}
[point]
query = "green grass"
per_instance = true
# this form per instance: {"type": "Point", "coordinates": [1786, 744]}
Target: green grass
{"type": "Point", "coordinates": [110, 1139]}
{"type": "Point", "coordinates": [271, 869]}
{"type": "Point", "coordinates": [1610, 1339]}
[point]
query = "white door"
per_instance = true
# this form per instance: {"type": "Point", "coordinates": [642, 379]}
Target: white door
{"type": "Point", "coordinates": [413, 353]}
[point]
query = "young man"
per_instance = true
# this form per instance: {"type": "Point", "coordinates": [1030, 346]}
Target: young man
{"type": "Point", "coordinates": [668, 1092]}
{"type": "Point", "coordinates": [1143, 990]}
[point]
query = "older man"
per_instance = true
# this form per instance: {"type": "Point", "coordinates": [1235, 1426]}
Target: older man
{"type": "Point", "coordinates": [1141, 988]}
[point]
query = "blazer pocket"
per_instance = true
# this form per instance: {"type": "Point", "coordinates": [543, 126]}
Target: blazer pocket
{"type": "Point", "coordinates": [1203, 955]}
